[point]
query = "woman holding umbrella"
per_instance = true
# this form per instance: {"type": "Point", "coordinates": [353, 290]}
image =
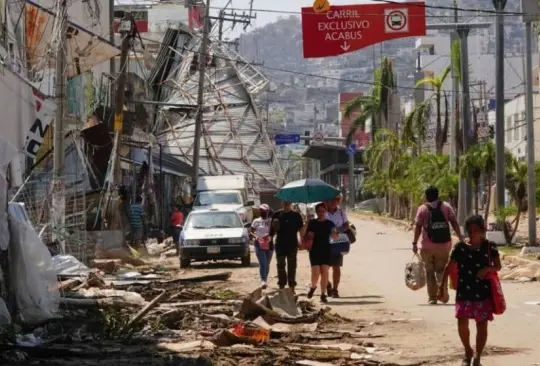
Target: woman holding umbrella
{"type": "Point", "coordinates": [319, 231]}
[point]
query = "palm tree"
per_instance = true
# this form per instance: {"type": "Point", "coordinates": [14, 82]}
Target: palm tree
{"type": "Point", "coordinates": [441, 132]}
{"type": "Point", "coordinates": [479, 160]}
{"type": "Point", "coordinates": [415, 125]}
{"type": "Point", "coordinates": [375, 106]}
{"type": "Point", "coordinates": [516, 185]}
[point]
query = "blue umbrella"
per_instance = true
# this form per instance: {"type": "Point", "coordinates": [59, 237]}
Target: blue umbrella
{"type": "Point", "coordinates": [307, 191]}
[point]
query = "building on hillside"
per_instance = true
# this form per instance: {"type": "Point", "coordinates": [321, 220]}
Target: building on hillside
{"type": "Point", "coordinates": [361, 138]}
{"type": "Point", "coordinates": [515, 126]}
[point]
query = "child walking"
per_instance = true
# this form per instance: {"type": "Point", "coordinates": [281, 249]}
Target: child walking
{"type": "Point", "coordinates": [474, 257]}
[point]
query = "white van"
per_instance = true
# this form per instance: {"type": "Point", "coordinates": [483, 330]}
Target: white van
{"type": "Point", "coordinates": [224, 192]}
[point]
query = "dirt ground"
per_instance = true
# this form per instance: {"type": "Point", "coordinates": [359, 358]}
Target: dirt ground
{"type": "Point", "coordinates": [384, 321]}
{"type": "Point", "coordinates": [412, 332]}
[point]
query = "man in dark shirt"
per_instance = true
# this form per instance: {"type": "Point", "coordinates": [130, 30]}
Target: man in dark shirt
{"type": "Point", "coordinates": [286, 224]}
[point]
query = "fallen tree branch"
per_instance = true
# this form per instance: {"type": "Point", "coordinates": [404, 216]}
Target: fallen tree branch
{"type": "Point", "coordinates": [104, 303]}
{"type": "Point", "coordinates": [152, 304]}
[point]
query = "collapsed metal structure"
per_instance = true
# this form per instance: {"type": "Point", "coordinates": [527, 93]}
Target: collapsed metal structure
{"type": "Point", "coordinates": [234, 139]}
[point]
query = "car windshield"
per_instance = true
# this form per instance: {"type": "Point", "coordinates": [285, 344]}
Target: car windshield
{"type": "Point", "coordinates": [212, 198]}
{"type": "Point", "coordinates": [213, 220]}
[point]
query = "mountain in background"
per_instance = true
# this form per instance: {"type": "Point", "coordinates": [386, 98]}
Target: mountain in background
{"type": "Point", "coordinates": [307, 89]}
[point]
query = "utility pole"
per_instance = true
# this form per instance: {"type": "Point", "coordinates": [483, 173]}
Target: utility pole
{"type": "Point", "coordinates": [113, 210]}
{"type": "Point", "coordinates": [234, 18]}
{"type": "Point", "coordinates": [455, 86]}
{"type": "Point", "coordinates": [463, 29]}
{"type": "Point", "coordinates": [531, 13]}
{"type": "Point", "coordinates": [463, 33]}
{"type": "Point", "coordinates": [499, 97]}
{"type": "Point", "coordinates": [200, 96]}
{"type": "Point", "coordinates": [352, 187]}
{"type": "Point", "coordinates": [58, 209]}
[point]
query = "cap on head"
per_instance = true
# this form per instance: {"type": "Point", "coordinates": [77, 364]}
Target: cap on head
{"type": "Point", "coordinates": [264, 207]}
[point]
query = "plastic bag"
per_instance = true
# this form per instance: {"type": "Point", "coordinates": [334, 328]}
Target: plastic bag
{"type": "Point", "coordinates": [415, 274]}
{"type": "Point", "coordinates": [32, 272]}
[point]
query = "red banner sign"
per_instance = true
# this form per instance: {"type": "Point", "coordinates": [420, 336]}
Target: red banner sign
{"type": "Point", "coordinates": [347, 28]}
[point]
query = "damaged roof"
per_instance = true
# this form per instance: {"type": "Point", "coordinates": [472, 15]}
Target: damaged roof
{"type": "Point", "coordinates": [234, 138]}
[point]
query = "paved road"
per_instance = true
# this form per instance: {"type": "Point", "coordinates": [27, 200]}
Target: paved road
{"type": "Point", "coordinates": [373, 288]}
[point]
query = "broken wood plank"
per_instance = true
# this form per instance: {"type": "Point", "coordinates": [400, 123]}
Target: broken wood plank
{"type": "Point", "coordinates": [95, 303]}
{"type": "Point", "coordinates": [69, 285]}
{"type": "Point", "coordinates": [145, 310]}
{"type": "Point", "coordinates": [202, 303]}
{"type": "Point", "coordinates": [222, 276]}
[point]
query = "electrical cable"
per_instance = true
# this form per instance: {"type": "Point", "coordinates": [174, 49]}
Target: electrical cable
{"type": "Point", "coordinates": [367, 83]}
{"type": "Point", "coordinates": [490, 12]}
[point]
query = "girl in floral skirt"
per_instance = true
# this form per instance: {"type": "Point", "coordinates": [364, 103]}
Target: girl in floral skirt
{"type": "Point", "coordinates": [475, 258]}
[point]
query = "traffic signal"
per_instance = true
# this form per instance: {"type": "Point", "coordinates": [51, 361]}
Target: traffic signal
{"type": "Point", "coordinates": [306, 141]}
{"type": "Point", "coordinates": [491, 132]}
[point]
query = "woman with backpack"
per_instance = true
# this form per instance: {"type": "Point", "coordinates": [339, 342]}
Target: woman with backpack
{"type": "Point", "coordinates": [433, 221]}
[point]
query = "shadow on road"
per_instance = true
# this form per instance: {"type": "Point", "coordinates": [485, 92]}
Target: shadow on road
{"type": "Point", "coordinates": [429, 305]}
{"type": "Point", "coordinates": [358, 302]}
{"type": "Point", "coordinates": [221, 265]}
{"type": "Point", "coordinates": [362, 297]}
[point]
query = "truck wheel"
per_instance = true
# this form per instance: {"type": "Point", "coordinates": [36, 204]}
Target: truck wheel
{"type": "Point", "coordinates": [246, 261]}
{"type": "Point", "coordinates": [185, 262]}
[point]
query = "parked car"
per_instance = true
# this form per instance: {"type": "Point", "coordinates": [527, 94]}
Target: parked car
{"type": "Point", "coordinates": [214, 235]}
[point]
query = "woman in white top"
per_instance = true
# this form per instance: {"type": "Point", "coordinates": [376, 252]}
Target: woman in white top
{"type": "Point", "coordinates": [264, 248]}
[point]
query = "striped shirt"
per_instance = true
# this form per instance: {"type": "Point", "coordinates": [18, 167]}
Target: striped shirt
{"type": "Point", "coordinates": [136, 213]}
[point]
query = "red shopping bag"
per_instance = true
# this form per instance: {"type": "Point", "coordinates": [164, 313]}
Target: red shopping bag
{"type": "Point", "coordinates": [306, 242]}
{"type": "Point", "coordinates": [497, 295]}
{"type": "Point", "coordinates": [264, 243]}
{"type": "Point", "coordinates": [453, 275]}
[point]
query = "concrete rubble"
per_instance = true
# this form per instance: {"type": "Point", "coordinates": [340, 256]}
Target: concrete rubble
{"type": "Point", "coordinates": [115, 313]}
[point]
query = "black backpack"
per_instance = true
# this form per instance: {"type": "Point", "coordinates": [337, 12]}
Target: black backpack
{"type": "Point", "coordinates": [438, 229]}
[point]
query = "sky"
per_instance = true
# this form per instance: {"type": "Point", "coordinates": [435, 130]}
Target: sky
{"type": "Point", "coordinates": [265, 17]}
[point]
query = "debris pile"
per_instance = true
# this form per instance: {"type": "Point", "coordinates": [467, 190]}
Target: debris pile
{"type": "Point", "coordinates": [117, 314]}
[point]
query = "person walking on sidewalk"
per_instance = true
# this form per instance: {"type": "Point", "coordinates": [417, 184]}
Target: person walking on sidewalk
{"type": "Point", "coordinates": [433, 221]}
{"type": "Point", "coordinates": [320, 230]}
{"type": "Point", "coordinates": [264, 248]}
{"type": "Point", "coordinates": [285, 228]}
{"type": "Point", "coordinates": [137, 222]}
{"type": "Point", "coordinates": [341, 221]}
{"type": "Point", "coordinates": [475, 258]}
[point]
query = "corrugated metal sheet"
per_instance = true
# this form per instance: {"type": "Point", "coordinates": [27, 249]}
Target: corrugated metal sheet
{"type": "Point", "coordinates": [234, 138]}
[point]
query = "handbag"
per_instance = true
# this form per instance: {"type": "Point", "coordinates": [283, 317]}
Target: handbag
{"type": "Point", "coordinates": [264, 243]}
{"type": "Point", "coordinates": [307, 242]}
{"type": "Point", "coordinates": [351, 231]}
{"type": "Point", "coordinates": [497, 295]}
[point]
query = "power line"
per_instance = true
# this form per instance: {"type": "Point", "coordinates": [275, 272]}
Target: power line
{"type": "Point", "coordinates": [436, 7]}
{"type": "Point", "coordinates": [366, 83]}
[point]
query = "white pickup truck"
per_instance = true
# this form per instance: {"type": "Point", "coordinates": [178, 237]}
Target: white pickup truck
{"type": "Point", "coordinates": [224, 192]}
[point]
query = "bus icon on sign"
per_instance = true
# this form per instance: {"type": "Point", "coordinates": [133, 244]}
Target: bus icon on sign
{"type": "Point", "coordinates": [396, 20]}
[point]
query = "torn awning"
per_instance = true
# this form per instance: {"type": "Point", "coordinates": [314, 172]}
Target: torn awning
{"type": "Point", "coordinates": [84, 49]}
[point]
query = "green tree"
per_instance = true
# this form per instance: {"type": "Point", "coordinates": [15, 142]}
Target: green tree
{"type": "Point", "coordinates": [441, 128]}
{"type": "Point", "coordinates": [479, 161]}
{"type": "Point", "coordinates": [375, 106]}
